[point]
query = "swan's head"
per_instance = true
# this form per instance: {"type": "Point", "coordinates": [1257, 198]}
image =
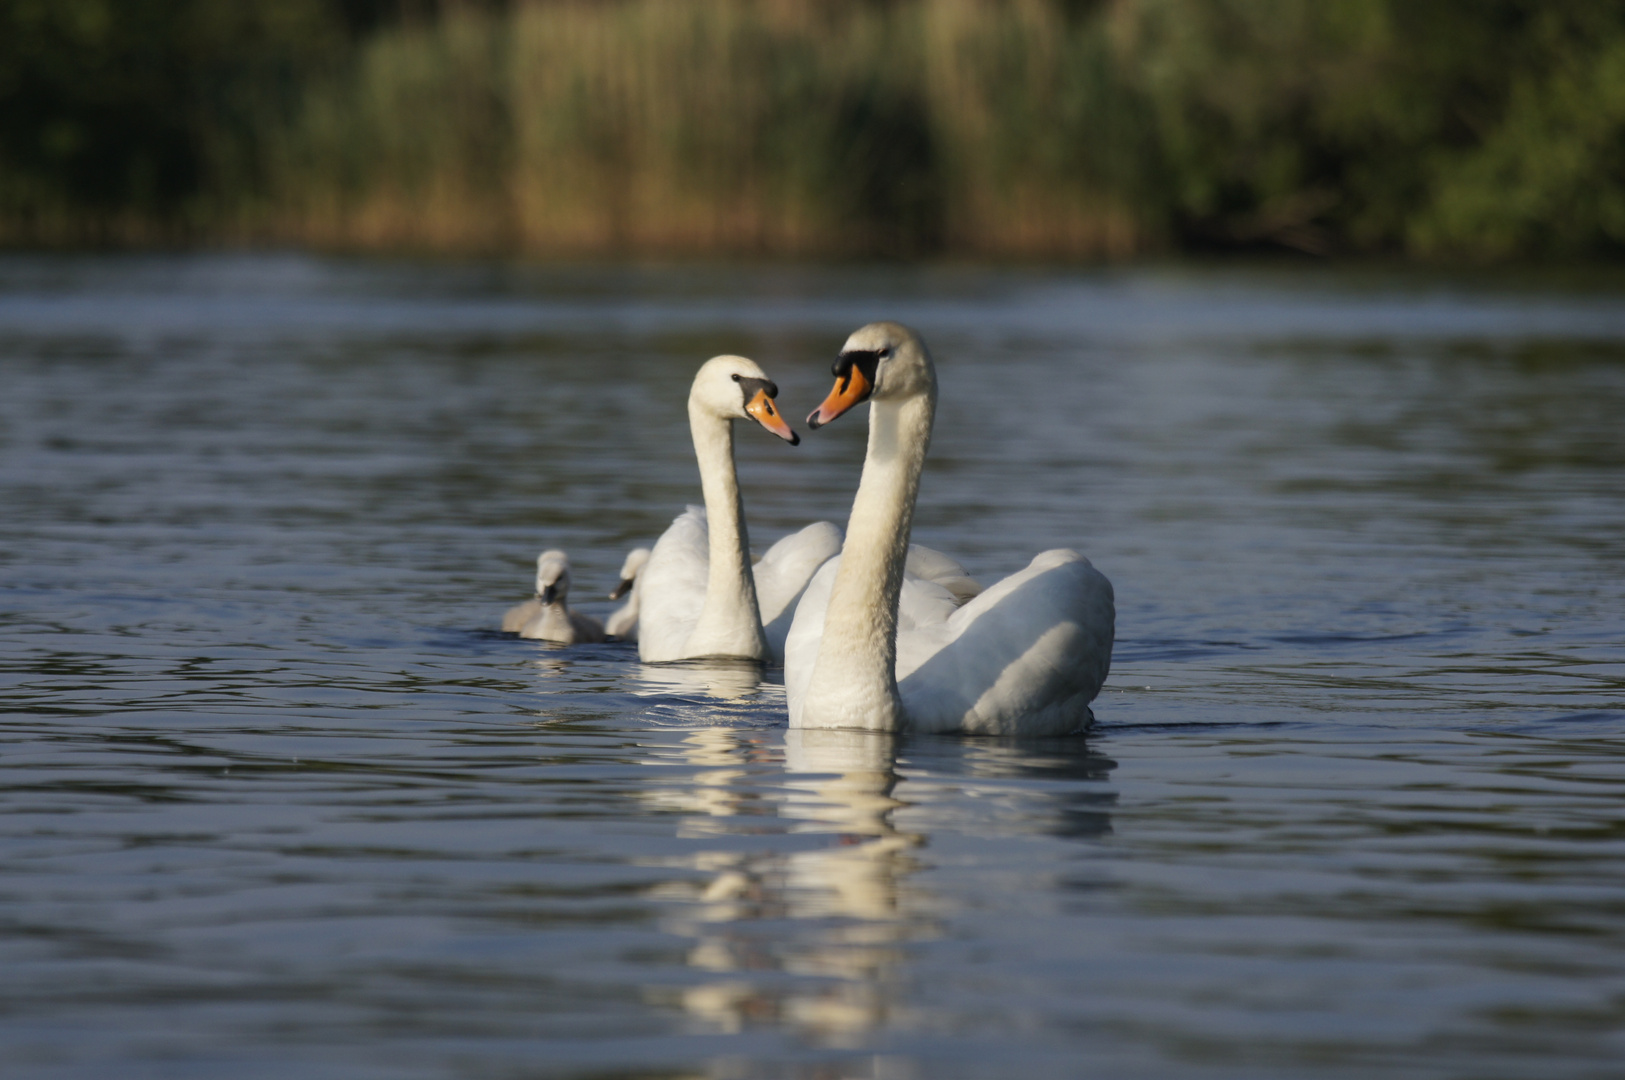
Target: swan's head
{"type": "Point", "coordinates": [629, 571]}
{"type": "Point", "coordinates": [882, 361]}
{"type": "Point", "coordinates": [735, 388]}
{"type": "Point", "coordinates": [552, 577]}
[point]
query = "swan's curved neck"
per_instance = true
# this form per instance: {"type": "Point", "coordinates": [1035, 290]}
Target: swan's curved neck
{"type": "Point", "coordinates": [854, 681]}
{"type": "Point", "coordinates": [729, 624]}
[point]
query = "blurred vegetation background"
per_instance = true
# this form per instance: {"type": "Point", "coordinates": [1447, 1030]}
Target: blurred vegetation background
{"type": "Point", "coordinates": [1444, 129]}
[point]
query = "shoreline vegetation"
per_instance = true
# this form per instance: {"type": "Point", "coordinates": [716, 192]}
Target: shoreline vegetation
{"type": "Point", "coordinates": [1462, 130]}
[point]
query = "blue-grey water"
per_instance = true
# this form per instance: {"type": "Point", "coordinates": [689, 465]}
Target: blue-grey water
{"type": "Point", "coordinates": [277, 801]}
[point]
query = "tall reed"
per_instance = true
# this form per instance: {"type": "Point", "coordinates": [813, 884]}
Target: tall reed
{"type": "Point", "coordinates": [725, 125]}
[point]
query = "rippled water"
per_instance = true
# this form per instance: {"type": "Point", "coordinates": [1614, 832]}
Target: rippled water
{"type": "Point", "coordinates": [276, 801]}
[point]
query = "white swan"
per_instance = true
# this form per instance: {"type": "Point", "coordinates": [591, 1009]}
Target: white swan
{"type": "Point", "coordinates": [1023, 658]}
{"type": "Point", "coordinates": [700, 597]}
{"type": "Point", "coordinates": [623, 623]}
{"type": "Point", "coordinates": [548, 617]}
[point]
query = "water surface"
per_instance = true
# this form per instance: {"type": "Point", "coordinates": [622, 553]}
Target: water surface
{"type": "Point", "coordinates": [276, 800]}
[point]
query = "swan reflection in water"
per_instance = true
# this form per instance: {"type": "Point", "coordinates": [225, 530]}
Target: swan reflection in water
{"type": "Point", "coordinates": [718, 680]}
{"type": "Point", "coordinates": [810, 924]}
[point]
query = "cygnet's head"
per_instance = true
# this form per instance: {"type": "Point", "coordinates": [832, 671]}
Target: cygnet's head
{"type": "Point", "coordinates": [735, 388]}
{"type": "Point", "coordinates": [629, 571]}
{"type": "Point", "coordinates": [882, 361]}
{"type": "Point", "coordinates": [552, 577]}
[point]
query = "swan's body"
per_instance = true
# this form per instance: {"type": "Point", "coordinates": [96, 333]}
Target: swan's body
{"type": "Point", "coordinates": [781, 577]}
{"type": "Point", "coordinates": [515, 618]}
{"type": "Point", "coordinates": [700, 597]}
{"type": "Point", "coordinates": [548, 617]}
{"type": "Point", "coordinates": [623, 623]}
{"type": "Point", "coordinates": [874, 649]}
{"type": "Point", "coordinates": [678, 590]}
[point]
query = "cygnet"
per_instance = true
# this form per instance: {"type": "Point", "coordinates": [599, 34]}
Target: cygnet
{"type": "Point", "coordinates": [623, 624]}
{"type": "Point", "coordinates": [548, 617]}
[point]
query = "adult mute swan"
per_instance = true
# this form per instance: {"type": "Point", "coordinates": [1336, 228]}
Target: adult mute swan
{"type": "Point", "coordinates": [699, 595]}
{"type": "Point", "coordinates": [1025, 657]}
{"type": "Point", "coordinates": [548, 617]}
{"type": "Point", "coordinates": [623, 622]}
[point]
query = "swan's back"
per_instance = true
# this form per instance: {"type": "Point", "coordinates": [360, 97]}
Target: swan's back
{"type": "Point", "coordinates": [934, 566]}
{"type": "Point", "coordinates": [1026, 657]}
{"type": "Point", "coordinates": [782, 576]}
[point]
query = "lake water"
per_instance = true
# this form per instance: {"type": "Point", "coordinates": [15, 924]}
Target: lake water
{"type": "Point", "coordinates": [276, 801]}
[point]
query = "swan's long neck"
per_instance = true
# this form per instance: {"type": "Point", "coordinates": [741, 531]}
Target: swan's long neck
{"type": "Point", "coordinates": [854, 681]}
{"type": "Point", "coordinates": [730, 623]}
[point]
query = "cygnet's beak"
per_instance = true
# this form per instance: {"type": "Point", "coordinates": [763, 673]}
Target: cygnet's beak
{"type": "Point", "coordinates": [622, 589]}
{"type": "Point", "coordinates": [760, 407]}
{"type": "Point", "coordinates": [854, 382]}
{"type": "Point", "coordinates": [548, 594]}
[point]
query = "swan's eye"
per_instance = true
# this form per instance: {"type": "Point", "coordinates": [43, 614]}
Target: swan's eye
{"type": "Point", "coordinates": [736, 376]}
{"type": "Point", "coordinates": [885, 353]}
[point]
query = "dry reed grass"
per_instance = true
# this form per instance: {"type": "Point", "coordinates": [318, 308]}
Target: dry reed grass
{"type": "Point", "coordinates": [704, 126]}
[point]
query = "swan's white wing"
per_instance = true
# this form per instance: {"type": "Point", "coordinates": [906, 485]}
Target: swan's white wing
{"type": "Point", "coordinates": [783, 573]}
{"type": "Point", "coordinates": [933, 565]}
{"type": "Point", "coordinates": [1024, 658]}
{"type": "Point", "coordinates": [673, 588]}
{"type": "Point", "coordinates": [923, 611]}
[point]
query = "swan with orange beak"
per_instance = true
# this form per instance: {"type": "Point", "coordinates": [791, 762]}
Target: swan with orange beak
{"type": "Point", "coordinates": [700, 596]}
{"type": "Point", "coordinates": [1024, 657]}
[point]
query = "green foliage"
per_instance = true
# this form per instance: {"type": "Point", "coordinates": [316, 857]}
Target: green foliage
{"type": "Point", "coordinates": [1548, 176]}
{"type": "Point", "coordinates": [1480, 129]}
{"type": "Point", "coordinates": [121, 113]}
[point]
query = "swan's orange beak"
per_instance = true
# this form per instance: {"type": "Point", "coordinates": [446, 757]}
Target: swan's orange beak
{"type": "Point", "coordinates": [762, 411]}
{"type": "Point", "coordinates": [852, 387]}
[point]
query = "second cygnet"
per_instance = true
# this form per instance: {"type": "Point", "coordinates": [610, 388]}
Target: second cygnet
{"type": "Point", "coordinates": [623, 623]}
